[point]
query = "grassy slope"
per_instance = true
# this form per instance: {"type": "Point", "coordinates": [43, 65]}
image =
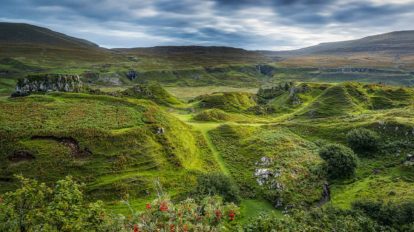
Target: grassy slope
{"type": "Point", "coordinates": [121, 133]}
{"type": "Point", "coordinates": [243, 146]}
{"type": "Point", "coordinates": [394, 180]}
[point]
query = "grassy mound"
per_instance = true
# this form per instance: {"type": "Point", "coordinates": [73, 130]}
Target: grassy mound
{"type": "Point", "coordinates": [213, 115]}
{"type": "Point", "coordinates": [152, 91]}
{"type": "Point", "coordinates": [228, 101]}
{"type": "Point", "coordinates": [272, 163]}
{"type": "Point", "coordinates": [334, 101]}
{"type": "Point", "coordinates": [295, 96]}
{"type": "Point", "coordinates": [117, 146]}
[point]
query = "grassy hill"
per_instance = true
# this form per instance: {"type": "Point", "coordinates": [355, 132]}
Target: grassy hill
{"type": "Point", "coordinates": [117, 146]}
{"type": "Point", "coordinates": [18, 40]}
{"type": "Point", "coordinates": [394, 49]}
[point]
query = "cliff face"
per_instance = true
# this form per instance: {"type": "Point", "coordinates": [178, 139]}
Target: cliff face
{"type": "Point", "coordinates": [48, 82]}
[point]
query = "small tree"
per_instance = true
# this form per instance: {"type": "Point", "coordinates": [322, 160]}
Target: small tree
{"type": "Point", "coordinates": [363, 140]}
{"type": "Point", "coordinates": [340, 160]}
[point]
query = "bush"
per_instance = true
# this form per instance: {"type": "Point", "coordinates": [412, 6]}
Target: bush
{"type": "Point", "coordinates": [398, 216]}
{"type": "Point", "coordinates": [340, 160]}
{"type": "Point", "coordinates": [188, 215]}
{"type": "Point", "coordinates": [317, 219]}
{"type": "Point", "coordinates": [363, 140]}
{"type": "Point", "coordinates": [217, 184]}
{"type": "Point", "coordinates": [36, 207]}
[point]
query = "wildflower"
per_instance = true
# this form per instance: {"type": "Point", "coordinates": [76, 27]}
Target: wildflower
{"type": "Point", "coordinates": [231, 215]}
{"type": "Point", "coordinates": [136, 229]}
{"type": "Point", "coordinates": [148, 206]}
{"type": "Point", "coordinates": [163, 206]}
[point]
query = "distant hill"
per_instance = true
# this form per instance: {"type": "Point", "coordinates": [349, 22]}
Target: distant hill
{"type": "Point", "coordinates": [30, 41]}
{"type": "Point", "coordinates": [22, 33]}
{"type": "Point", "coordinates": [399, 42]}
{"type": "Point", "coordinates": [197, 55]}
{"type": "Point", "coordinates": [390, 50]}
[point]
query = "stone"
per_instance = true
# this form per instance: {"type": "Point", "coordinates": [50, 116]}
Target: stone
{"type": "Point", "coordinates": [48, 82]}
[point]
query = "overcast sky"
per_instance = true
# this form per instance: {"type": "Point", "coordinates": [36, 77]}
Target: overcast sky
{"type": "Point", "coordinates": [249, 24]}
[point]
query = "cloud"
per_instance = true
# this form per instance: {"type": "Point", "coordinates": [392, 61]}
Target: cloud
{"type": "Point", "coordinates": [250, 24]}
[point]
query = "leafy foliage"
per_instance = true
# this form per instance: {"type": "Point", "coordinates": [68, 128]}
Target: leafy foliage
{"type": "Point", "coordinates": [340, 160]}
{"type": "Point", "coordinates": [398, 216]}
{"type": "Point", "coordinates": [36, 207]}
{"type": "Point", "coordinates": [317, 219]}
{"type": "Point", "coordinates": [188, 215]}
{"type": "Point", "coordinates": [363, 140]}
{"type": "Point", "coordinates": [217, 184]}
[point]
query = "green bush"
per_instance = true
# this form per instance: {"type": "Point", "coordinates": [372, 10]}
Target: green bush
{"type": "Point", "coordinates": [217, 184]}
{"type": "Point", "coordinates": [36, 207]}
{"type": "Point", "coordinates": [340, 160]}
{"type": "Point", "coordinates": [363, 140]}
{"type": "Point", "coordinates": [317, 219]}
{"type": "Point", "coordinates": [398, 216]}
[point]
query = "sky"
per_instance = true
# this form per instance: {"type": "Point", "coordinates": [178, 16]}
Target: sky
{"type": "Point", "coordinates": [248, 24]}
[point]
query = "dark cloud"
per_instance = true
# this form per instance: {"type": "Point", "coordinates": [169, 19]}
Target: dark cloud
{"type": "Point", "coordinates": [251, 24]}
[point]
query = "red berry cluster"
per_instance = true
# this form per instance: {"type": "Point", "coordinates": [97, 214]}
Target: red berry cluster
{"type": "Point", "coordinates": [163, 206]}
{"type": "Point", "coordinates": [232, 215]}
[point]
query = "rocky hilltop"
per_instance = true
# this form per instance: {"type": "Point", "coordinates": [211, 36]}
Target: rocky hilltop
{"type": "Point", "coordinates": [48, 82]}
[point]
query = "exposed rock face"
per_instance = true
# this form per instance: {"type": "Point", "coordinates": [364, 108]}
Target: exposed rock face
{"type": "Point", "coordinates": [48, 82]}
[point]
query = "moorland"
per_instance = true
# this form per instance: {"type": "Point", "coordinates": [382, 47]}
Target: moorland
{"type": "Point", "coordinates": [316, 139]}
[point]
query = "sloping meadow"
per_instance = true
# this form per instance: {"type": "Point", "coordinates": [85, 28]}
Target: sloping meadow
{"type": "Point", "coordinates": [117, 146]}
{"type": "Point", "coordinates": [273, 163]}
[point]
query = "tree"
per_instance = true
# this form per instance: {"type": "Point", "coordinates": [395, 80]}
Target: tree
{"type": "Point", "coordinates": [340, 160]}
{"type": "Point", "coordinates": [362, 140]}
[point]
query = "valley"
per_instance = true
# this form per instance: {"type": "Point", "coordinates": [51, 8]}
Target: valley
{"type": "Point", "coordinates": [281, 138]}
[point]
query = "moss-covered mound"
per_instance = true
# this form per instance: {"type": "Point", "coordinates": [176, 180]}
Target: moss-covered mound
{"type": "Point", "coordinates": [336, 100]}
{"type": "Point", "coordinates": [272, 163]}
{"type": "Point", "coordinates": [152, 91]}
{"type": "Point", "coordinates": [228, 101]}
{"type": "Point", "coordinates": [213, 115]}
{"type": "Point", "coordinates": [117, 146]}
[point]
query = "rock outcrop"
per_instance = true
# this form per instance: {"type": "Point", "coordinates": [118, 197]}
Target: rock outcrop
{"type": "Point", "coordinates": [48, 82]}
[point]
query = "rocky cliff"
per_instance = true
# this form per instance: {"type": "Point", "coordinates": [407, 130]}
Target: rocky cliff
{"type": "Point", "coordinates": [48, 82]}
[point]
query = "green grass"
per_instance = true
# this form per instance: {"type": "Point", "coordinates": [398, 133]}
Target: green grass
{"type": "Point", "coordinates": [242, 147]}
{"type": "Point", "coordinates": [128, 154]}
{"type": "Point", "coordinates": [251, 208]}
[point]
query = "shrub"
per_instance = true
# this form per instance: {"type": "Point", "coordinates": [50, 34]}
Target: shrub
{"type": "Point", "coordinates": [188, 215]}
{"type": "Point", "coordinates": [36, 207]}
{"type": "Point", "coordinates": [317, 219]}
{"type": "Point", "coordinates": [217, 184]}
{"type": "Point", "coordinates": [340, 160]}
{"type": "Point", "coordinates": [399, 216]}
{"type": "Point", "coordinates": [363, 140]}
